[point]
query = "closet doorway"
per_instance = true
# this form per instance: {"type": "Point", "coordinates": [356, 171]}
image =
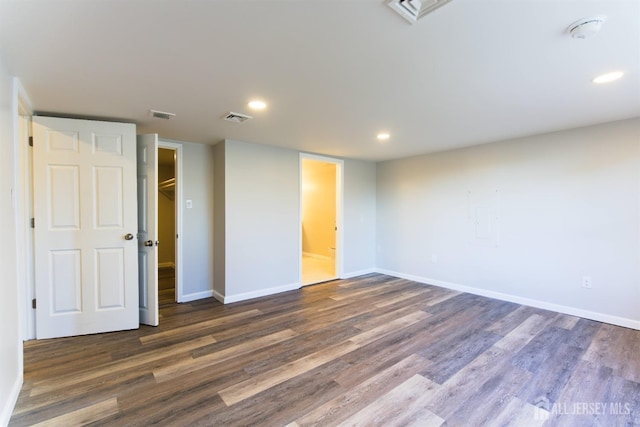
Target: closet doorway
{"type": "Point", "coordinates": [321, 195]}
{"type": "Point", "coordinates": [167, 226]}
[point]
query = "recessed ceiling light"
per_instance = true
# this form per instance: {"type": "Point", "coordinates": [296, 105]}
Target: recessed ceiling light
{"type": "Point", "coordinates": [609, 77]}
{"type": "Point", "coordinates": [383, 136]}
{"type": "Point", "coordinates": [256, 104]}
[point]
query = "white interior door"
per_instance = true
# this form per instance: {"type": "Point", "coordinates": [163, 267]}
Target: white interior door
{"type": "Point", "coordinates": [148, 228]}
{"type": "Point", "coordinates": [85, 223]}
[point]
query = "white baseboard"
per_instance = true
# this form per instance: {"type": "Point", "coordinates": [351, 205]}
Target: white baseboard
{"type": "Point", "coordinates": [318, 256]}
{"type": "Point", "coordinates": [353, 274]}
{"type": "Point", "coordinates": [10, 403]}
{"type": "Point", "coordinates": [228, 299]}
{"type": "Point", "coordinates": [217, 295]}
{"type": "Point", "coordinates": [197, 295]}
{"type": "Point", "coordinates": [166, 265]}
{"type": "Point", "coordinates": [573, 311]}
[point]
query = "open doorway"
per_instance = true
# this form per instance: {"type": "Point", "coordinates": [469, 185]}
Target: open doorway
{"type": "Point", "coordinates": [166, 226]}
{"type": "Point", "coordinates": [320, 204]}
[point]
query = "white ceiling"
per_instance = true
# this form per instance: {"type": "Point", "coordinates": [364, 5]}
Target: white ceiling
{"type": "Point", "coordinates": [334, 72]}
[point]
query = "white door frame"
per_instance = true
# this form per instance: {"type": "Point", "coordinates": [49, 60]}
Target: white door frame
{"type": "Point", "coordinates": [23, 198]}
{"type": "Point", "coordinates": [339, 210]}
{"type": "Point", "coordinates": [177, 147]}
{"type": "Point", "coordinates": [23, 195]}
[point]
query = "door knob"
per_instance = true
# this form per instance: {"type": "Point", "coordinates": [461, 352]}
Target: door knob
{"type": "Point", "coordinates": [148, 243]}
{"type": "Point", "coordinates": [128, 236]}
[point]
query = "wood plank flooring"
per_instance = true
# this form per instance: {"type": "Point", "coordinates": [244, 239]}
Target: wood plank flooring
{"type": "Point", "coordinates": [166, 286]}
{"type": "Point", "coordinates": [374, 350]}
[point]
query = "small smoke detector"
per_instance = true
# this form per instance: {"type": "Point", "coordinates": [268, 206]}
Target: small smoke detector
{"type": "Point", "coordinates": [161, 114]}
{"type": "Point", "coordinates": [236, 117]}
{"type": "Point", "coordinates": [412, 10]}
{"type": "Point", "coordinates": [586, 27]}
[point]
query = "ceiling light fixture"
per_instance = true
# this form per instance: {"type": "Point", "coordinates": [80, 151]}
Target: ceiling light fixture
{"type": "Point", "coordinates": [609, 77]}
{"type": "Point", "coordinates": [383, 136]}
{"type": "Point", "coordinates": [586, 27]}
{"type": "Point", "coordinates": [256, 104]}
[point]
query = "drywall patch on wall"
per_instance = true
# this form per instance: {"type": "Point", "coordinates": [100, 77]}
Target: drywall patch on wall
{"type": "Point", "coordinates": [484, 217]}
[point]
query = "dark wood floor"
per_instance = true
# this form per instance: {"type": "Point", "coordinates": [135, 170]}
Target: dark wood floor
{"type": "Point", "coordinates": [166, 286]}
{"type": "Point", "coordinates": [374, 350]}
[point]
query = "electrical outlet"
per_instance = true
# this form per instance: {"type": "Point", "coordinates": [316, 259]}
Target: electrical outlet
{"type": "Point", "coordinates": [586, 282]}
{"type": "Point", "coordinates": [434, 259]}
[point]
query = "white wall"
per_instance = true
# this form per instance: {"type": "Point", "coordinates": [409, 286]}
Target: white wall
{"type": "Point", "coordinates": [259, 218]}
{"type": "Point", "coordinates": [359, 209]}
{"type": "Point", "coordinates": [197, 222]}
{"type": "Point", "coordinates": [524, 220]}
{"type": "Point", "coordinates": [219, 244]}
{"type": "Point", "coordinates": [261, 210]}
{"type": "Point", "coordinates": [10, 342]}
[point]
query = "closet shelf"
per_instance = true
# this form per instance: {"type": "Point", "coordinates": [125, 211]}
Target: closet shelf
{"type": "Point", "coordinates": [168, 188]}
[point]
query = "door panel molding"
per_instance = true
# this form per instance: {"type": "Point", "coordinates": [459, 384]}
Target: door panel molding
{"type": "Point", "coordinates": [147, 184]}
{"type": "Point", "coordinates": [85, 269]}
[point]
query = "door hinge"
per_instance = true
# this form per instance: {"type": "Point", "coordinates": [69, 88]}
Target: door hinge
{"type": "Point", "coordinates": [30, 141]}
{"type": "Point", "coordinates": [33, 303]}
{"type": "Point", "coordinates": [33, 223]}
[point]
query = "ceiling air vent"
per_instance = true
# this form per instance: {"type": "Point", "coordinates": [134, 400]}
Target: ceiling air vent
{"type": "Point", "coordinates": [412, 10]}
{"type": "Point", "coordinates": [161, 114]}
{"type": "Point", "coordinates": [236, 117]}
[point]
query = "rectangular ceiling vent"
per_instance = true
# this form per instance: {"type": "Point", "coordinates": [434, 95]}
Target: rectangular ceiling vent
{"type": "Point", "coordinates": [161, 114]}
{"type": "Point", "coordinates": [412, 10]}
{"type": "Point", "coordinates": [236, 117]}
